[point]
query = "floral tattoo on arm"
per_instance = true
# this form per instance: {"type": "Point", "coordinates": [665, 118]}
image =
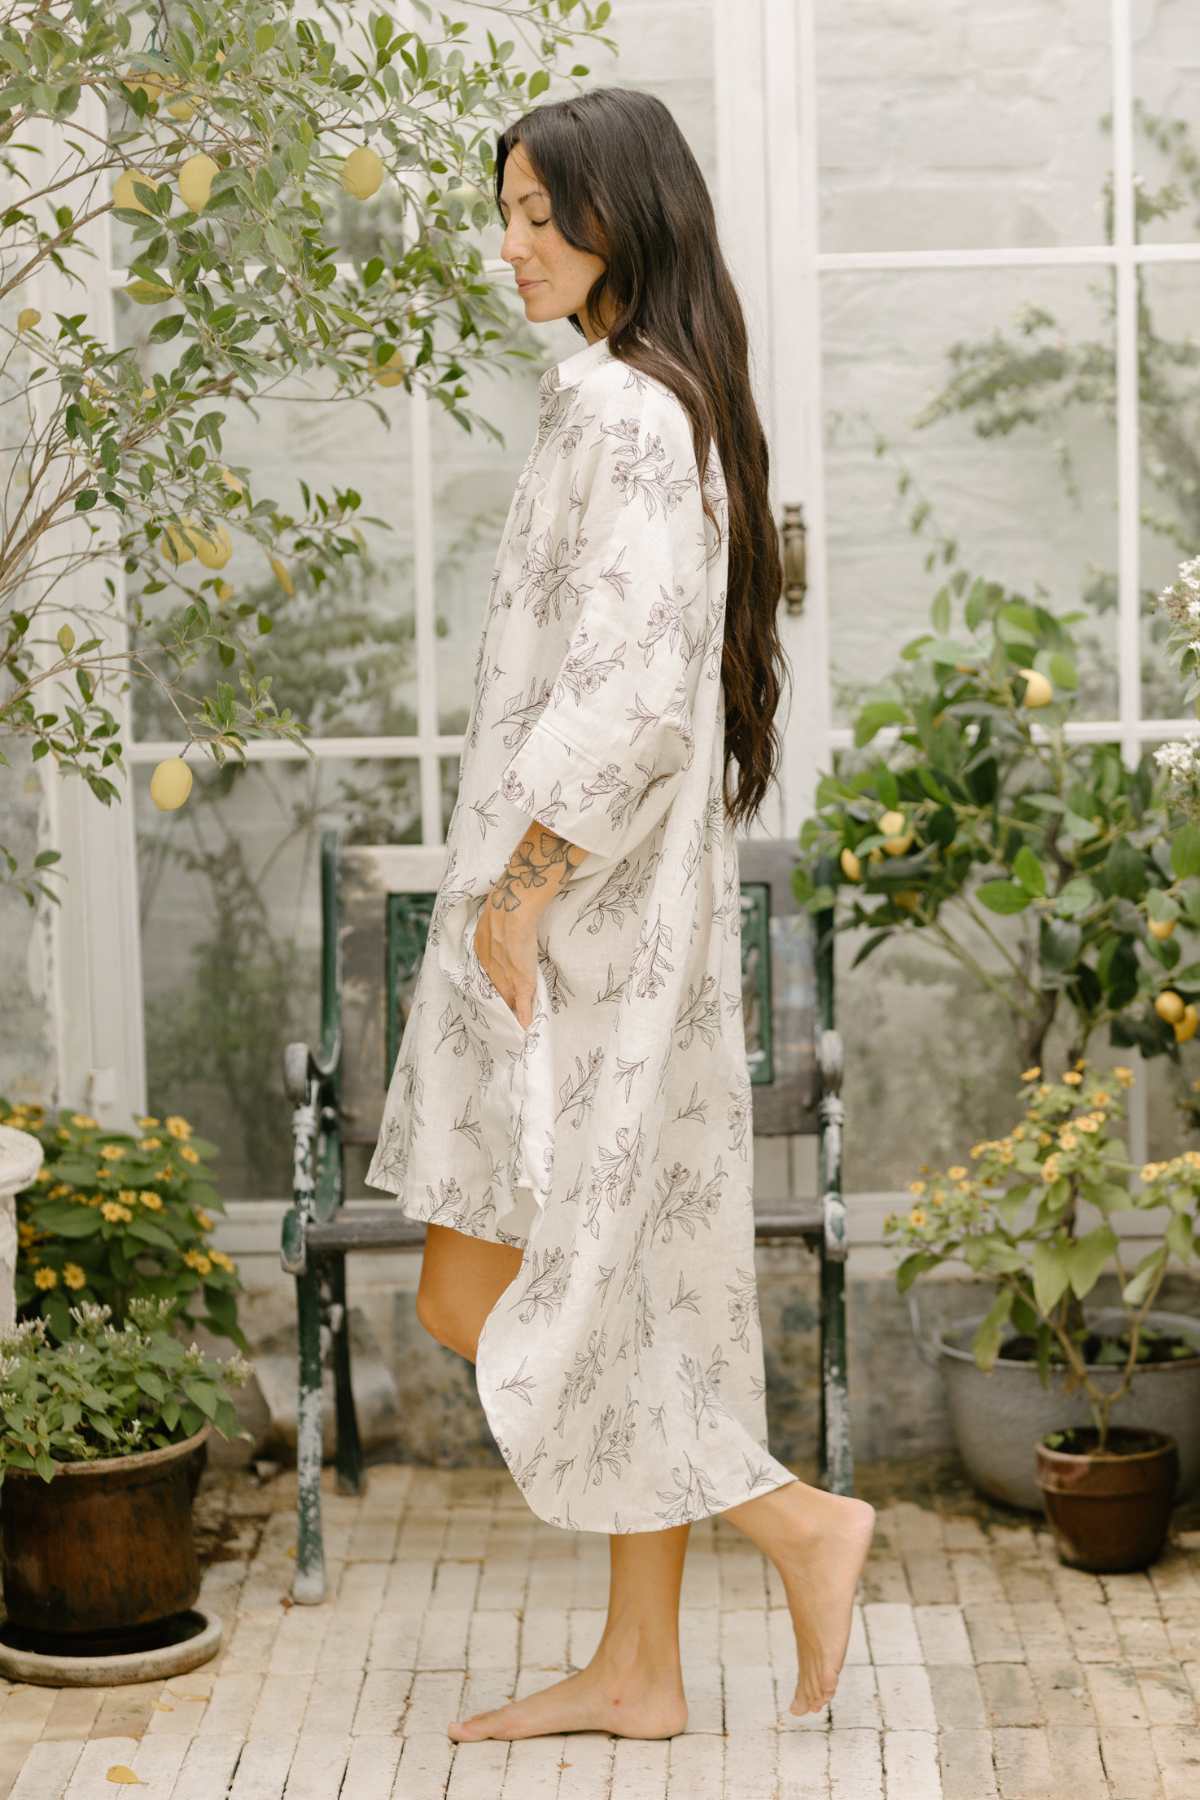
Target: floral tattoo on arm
{"type": "Point", "coordinates": [538, 865]}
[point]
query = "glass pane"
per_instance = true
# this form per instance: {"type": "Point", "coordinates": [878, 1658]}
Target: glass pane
{"type": "Point", "coordinates": [341, 651]}
{"type": "Point", "coordinates": [964, 127]}
{"type": "Point", "coordinates": [231, 931]}
{"type": "Point", "coordinates": [473, 482]}
{"type": "Point", "coordinates": [1166, 85]}
{"type": "Point", "coordinates": [968, 420]}
{"type": "Point", "coordinates": [1169, 420]}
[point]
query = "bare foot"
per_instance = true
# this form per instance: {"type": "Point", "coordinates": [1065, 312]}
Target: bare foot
{"type": "Point", "coordinates": [637, 1703]}
{"type": "Point", "coordinates": [819, 1542]}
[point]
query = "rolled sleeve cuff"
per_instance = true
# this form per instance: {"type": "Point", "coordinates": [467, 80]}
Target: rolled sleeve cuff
{"type": "Point", "coordinates": [573, 794]}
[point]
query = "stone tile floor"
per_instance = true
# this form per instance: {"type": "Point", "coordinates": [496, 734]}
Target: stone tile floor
{"type": "Point", "coordinates": [979, 1667]}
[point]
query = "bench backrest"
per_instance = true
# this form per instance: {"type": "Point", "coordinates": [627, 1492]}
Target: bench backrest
{"type": "Point", "coordinates": [376, 904]}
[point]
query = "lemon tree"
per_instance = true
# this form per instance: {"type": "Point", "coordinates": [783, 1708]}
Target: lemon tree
{"type": "Point", "coordinates": [225, 143]}
{"type": "Point", "coordinates": [980, 811]}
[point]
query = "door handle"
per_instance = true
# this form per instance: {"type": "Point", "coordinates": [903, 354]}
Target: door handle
{"type": "Point", "coordinates": [794, 535]}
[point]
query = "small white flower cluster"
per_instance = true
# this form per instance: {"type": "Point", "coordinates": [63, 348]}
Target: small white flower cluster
{"type": "Point", "coordinates": [17, 1340]}
{"type": "Point", "coordinates": [1180, 759]}
{"type": "Point", "coordinates": [90, 1316]}
{"type": "Point", "coordinates": [1180, 600]}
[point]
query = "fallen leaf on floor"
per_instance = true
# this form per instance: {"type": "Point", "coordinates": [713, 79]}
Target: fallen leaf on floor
{"type": "Point", "coordinates": [163, 1706]}
{"type": "Point", "coordinates": [291, 1550]}
{"type": "Point", "coordinates": [124, 1777]}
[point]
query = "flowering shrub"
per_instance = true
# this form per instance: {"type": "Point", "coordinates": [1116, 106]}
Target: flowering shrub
{"type": "Point", "coordinates": [108, 1391]}
{"type": "Point", "coordinates": [1180, 601]}
{"type": "Point", "coordinates": [1016, 1220]}
{"type": "Point", "coordinates": [109, 1217]}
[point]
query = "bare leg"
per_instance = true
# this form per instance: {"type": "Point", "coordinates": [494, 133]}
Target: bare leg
{"type": "Point", "coordinates": [818, 1542]}
{"type": "Point", "coordinates": [632, 1686]}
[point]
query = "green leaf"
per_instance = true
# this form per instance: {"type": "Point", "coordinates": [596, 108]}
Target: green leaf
{"type": "Point", "coordinates": [912, 1266]}
{"type": "Point", "coordinates": [985, 1345]}
{"type": "Point", "coordinates": [538, 83]}
{"type": "Point", "coordinates": [1029, 871]}
{"type": "Point", "coordinates": [1076, 897]}
{"type": "Point", "coordinates": [1003, 896]}
{"type": "Point", "coordinates": [1087, 1258]}
{"type": "Point", "coordinates": [148, 1232]}
{"type": "Point", "coordinates": [1051, 1273]}
{"type": "Point", "coordinates": [874, 716]}
{"type": "Point", "coordinates": [1125, 870]}
{"type": "Point", "coordinates": [1143, 1278]}
{"type": "Point", "coordinates": [1180, 1237]}
{"type": "Point", "coordinates": [1185, 851]}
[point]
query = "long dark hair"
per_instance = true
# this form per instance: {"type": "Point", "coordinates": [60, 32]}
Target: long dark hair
{"type": "Point", "coordinates": [624, 186]}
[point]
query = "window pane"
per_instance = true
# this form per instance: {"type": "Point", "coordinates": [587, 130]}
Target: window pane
{"type": "Point", "coordinates": [341, 652]}
{"type": "Point", "coordinates": [1169, 418]}
{"type": "Point", "coordinates": [962, 126]}
{"type": "Point", "coordinates": [1166, 85]}
{"type": "Point", "coordinates": [231, 928]}
{"type": "Point", "coordinates": [991, 393]}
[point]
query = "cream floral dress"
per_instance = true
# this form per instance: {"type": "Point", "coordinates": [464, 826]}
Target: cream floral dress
{"type": "Point", "coordinates": [622, 1369]}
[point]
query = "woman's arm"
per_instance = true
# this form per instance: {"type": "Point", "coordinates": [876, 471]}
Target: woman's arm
{"type": "Point", "coordinates": [506, 935]}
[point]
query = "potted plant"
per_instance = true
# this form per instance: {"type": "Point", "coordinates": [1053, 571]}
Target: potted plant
{"type": "Point", "coordinates": [100, 1438]}
{"type": "Point", "coordinates": [113, 1214]}
{"type": "Point", "coordinates": [1035, 1219]}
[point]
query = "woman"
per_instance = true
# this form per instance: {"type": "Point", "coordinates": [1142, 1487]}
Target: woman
{"type": "Point", "coordinates": [570, 1108]}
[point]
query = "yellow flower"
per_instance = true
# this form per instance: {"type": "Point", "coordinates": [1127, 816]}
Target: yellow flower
{"type": "Point", "coordinates": [1050, 1169]}
{"type": "Point", "coordinates": [46, 1278]}
{"type": "Point", "coordinates": [980, 1149]}
{"type": "Point", "coordinates": [1150, 1170]}
{"type": "Point", "coordinates": [1067, 1138]}
{"type": "Point", "coordinates": [916, 1216]}
{"type": "Point", "coordinates": [150, 1143]}
{"type": "Point", "coordinates": [1032, 1074]}
{"type": "Point", "coordinates": [74, 1276]}
{"type": "Point", "coordinates": [195, 1259]}
{"type": "Point", "coordinates": [203, 1219]}
{"type": "Point", "coordinates": [178, 1127]}
{"type": "Point", "coordinates": [188, 1154]}
{"type": "Point", "coordinates": [150, 1200]}
{"type": "Point", "coordinates": [223, 1261]}
{"type": "Point", "coordinates": [916, 1187]}
{"type": "Point", "coordinates": [1072, 1079]}
{"type": "Point", "coordinates": [1018, 1132]}
{"type": "Point", "coordinates": [64, 1134]}
{"type": "Point", "coordinates": [146, 1121]}
{"type": "Point", "coordinates": [1101, 1099]}
{"type": "Point", "coordinates": [957, 1172]}
{"type": "Point", "coordinates": [1089, 1122]}
{"type": "Point", "coordinates": [112, 1151]}
{"type": "Point", "coordinates": [83, 1120]}
{"type": "Point", "coordinates": [115, 1213]}
{"type": "Point", "coordinates": [936, 1200]}
{"type": "Point", "coordinates": [166, 1173]}
{"type": "Point", "coordinates": [26, 1233]}
{"type": "Point", "coordinates": [1123, 1075]}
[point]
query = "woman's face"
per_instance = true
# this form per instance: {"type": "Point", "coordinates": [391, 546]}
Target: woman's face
{"type": "Point", "coordinates": [559, 275]}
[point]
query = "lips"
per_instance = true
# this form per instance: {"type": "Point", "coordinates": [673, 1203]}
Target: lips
{"type": "Point", "coordinates": [528, 284]}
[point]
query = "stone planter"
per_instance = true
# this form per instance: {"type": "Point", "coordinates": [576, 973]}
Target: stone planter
{"type": "Point", "coordinates": [998, 1418]}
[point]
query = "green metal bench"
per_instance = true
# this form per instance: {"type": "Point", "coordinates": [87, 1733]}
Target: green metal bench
{"type": "Point", "coordinates": [376, 902]}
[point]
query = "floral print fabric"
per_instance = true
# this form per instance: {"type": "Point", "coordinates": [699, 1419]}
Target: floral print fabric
{"type": "Point", "coordinates": [622, 1369]}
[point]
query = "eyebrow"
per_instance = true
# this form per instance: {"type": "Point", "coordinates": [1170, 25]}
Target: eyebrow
{"type": "Point", "coordinates": [529, 195]}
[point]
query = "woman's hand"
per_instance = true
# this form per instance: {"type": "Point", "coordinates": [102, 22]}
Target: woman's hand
{"type": "Point", "coordinates": [506, 945]}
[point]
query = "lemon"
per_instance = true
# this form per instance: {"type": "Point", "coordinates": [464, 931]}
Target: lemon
{"type": "Point", "coordinates": [179, 542]}
{"type": "Point", "coordinates": [183, 108]}
{"type": "Point", "coordinates": [170, 784]}
{"type": "Point", "coordinates": [27, 318]}
{"type": "Point", "coordinates": [1169, 1006]}
{"type": "Point", "coordinates": [280, 571]}
{"type": "Point", "coordinates": [1185, 1028]}
{"type": "Point", "coordinates": [895, 839]}
{"type": "Point", "coordinates": [908, 898]}
{"type": "Point", "coordinates": [1038, 689]}
{"type": "Point", "coordinates": [123, 194]}
{"type": "Point", "coordinates": [150, 82]}
{"type": "Point", "coordinates": [390, 369]}
{"type": "Point", "coordinates": [215, 551]}
{"type": "Point", "coordinates": [196, 179]}
{"type": "Point", "coordinates": [362, 172]}
{"type": "Point", "coordinates": [851, 866]}
{"type": "Point", "coordinates": [1161, 928]}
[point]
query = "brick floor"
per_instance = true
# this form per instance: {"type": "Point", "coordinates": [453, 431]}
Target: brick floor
{"type": "Point", "coordinates": [978, 1669]}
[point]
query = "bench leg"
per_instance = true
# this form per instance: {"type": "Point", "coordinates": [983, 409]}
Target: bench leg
{"type": "Point", "coordinates": [837, 1465]}
{"type": "Point", "coordinates": [308, 1586]}
{"type": "Point", "coordinates": [351, 1478]}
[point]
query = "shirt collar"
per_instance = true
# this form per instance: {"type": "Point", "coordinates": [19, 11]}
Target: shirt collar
{"type": "Point", "coordinates": [573, 368]}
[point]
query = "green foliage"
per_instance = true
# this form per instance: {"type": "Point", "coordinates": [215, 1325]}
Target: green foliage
{"type": "Point", "coordinates": [1009, 819]}
{"type": "Point", "coordinates": [280, 279]}
{"type": "Point", "coordinates": [112, 1218]}
{"type": "Point", "coordinates": [1016, 1222]}
{"type": "Point", "coordinates": [107, 1391]}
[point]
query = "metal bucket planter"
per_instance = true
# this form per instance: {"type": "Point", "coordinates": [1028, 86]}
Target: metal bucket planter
{"type": "Point", "coordinates": [101, 1559]}
{"type": "Point", "coordinates": [998, 1418]}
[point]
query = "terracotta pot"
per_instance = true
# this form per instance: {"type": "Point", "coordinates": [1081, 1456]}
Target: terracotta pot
{"type": "Point", "coordinates": [104, 1546]}
{"type": "Point", "coordinates": [1109, 1512]}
